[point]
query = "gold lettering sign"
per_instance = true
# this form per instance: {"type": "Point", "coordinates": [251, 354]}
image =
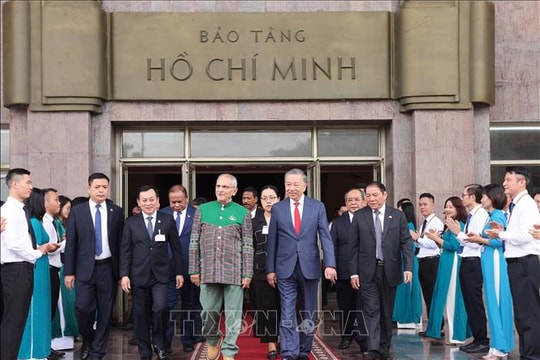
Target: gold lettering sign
{"type": "Point", "coordinates": [186, 56]}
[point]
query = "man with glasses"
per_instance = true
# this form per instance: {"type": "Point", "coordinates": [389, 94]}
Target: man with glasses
{"type": "Point", "coordinates": [470, 272]}
{"type": "Point", "coordinates": [521, 252]}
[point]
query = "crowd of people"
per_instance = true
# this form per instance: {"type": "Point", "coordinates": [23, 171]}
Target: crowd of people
{"type": "Point", "coordinates": [476, 269]}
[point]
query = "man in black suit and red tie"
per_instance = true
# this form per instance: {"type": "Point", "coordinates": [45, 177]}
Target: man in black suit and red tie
{"type": "Point", "coordinates": [145, 268]}
{"type": "Point", "coordinates": [91, 263]}
{"type": "Point", "coordinates": [379, 239]}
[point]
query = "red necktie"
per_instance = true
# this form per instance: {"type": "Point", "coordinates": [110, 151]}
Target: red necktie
{"type": "Point", "coordinates": [297, 219]}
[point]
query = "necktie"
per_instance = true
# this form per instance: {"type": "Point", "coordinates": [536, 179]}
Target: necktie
{"type": "Point", "coordinates": [178, 220]}
{"type": "Point", "coordinates": [297, 219]}
{"type": "Point", "coordinates": [378, 236]}
{"type": "Point", "coordinates": [150, 227]}
{"type": "Point", "coordinates": [511, 207]}
{"type": "Point", "coordinates": [97, 229]}
{"type": "Point", "coordinates": [424, 224]}
{"type": "Point", "coordinates": [30, 228]}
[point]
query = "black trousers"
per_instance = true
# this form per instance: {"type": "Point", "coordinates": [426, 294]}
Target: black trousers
{"type": "Point", "coordinates": [346, 299]}
{"type": "Point", "coordinates": [17, 286]}
{"type": "Point", "coordinates": [524, 275]}
{"type": "Point", "coordinates": [266, 311]}
{"type": "Point", "coordinates": [470, 276]}
{"type": "Point", "coordinates": [150, 310]}
{"type": "Point", "coordinates": [427, 274]}
{"type": "Point", "coordinates": [378, 299]}
{"type": "Point", "coordinates": [95, 297]}
{"type": "Point", "coordinates": [55, 289]}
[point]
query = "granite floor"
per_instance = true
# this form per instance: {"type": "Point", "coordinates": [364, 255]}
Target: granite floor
{"type": "Point", "coordinates": [406, 345]}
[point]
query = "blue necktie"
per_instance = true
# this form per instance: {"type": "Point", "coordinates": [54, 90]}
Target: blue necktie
{"type": "Point", "coordinates": [511, 207]}
{"type": "Point", "coordinates": [97, 229]}
{"type": "Point", "coordinates": [178, 218]}
{"type": "Point", "coordinates": [150, 227]}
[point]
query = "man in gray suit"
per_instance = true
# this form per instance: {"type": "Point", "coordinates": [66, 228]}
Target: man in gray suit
{"type": "Point", "coordinates": [379, 240]}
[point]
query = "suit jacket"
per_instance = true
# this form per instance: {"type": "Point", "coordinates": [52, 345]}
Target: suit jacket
{"type": "Point", "coordinates": [396, 241]}
{"type": "Point", "coordinates": [142, 256]}
{"type": "Point", "coordinates": [285, 248]}
{"type": "Point", "coordinates": [185, 235]}
{"type": "Point", "coordinates": [79, 257]}
{"type": "Point", "coordinates": [341, 227]}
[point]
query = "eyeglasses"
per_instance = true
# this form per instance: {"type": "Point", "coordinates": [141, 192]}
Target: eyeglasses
{"type": "Point", "coordinates": [270, 198]}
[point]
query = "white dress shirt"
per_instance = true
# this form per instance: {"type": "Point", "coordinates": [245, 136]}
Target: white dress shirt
{"type": "Point", "coordinates": [478, 221]}
{"type": "Point", "coordinates": [426, 246]}
{"type": "Point", "coordinates": [518, 241]}
{"type": "Point", "coordinates": [16, 242]}
{"type": "Point", "coordinates": [103, 210]}
{"type": "Point", "coordinates": [54, 258]}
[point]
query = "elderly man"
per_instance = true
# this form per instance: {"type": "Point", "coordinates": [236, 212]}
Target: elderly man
{"type": "Point", "coordinates": [221, 263]}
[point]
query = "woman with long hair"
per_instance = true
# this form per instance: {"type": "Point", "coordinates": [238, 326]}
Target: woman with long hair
{"type": "Point", "coordinates": [495, 275]}
{"type": "Point", "coordinates": [408, 302]}
{"type": "Point", "coordinates": [447, 295]}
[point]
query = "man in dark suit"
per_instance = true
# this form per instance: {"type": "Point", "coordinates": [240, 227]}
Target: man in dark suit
{"type": "Point", "coordinates": [349, 300]}
{"type": "Point", "coordinates": [145, 267]}
{"type": "Point", "coordinates": [91, 263]}
{"type": "Point", "coordinates": [379, 239]}
{"type": "Point", "coordinates": [294, 265]}
{"type": "Point", "coordinates": [190, 316]}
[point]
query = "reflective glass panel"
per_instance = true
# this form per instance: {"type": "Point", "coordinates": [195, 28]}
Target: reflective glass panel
{"type": "Point", "coordinates": [4, 147]}
{"type": "Point", "coordinates": [258, 143]}
{"type": "Point", "coordinates": [348, 142]}
{"type": "Point", "coordinates": [515, 143]}
{"type": "Point", "coordinates": [3, 186]}
{"type": "Point", "coordinates": [152, 144]}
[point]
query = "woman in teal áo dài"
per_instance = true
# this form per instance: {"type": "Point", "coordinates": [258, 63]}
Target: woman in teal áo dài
{"type": "Point", "coordinates": [495, 275]}
{"type": "Point", "coordinates": [447, 295]}
{"type": "Point", "coordinates": [408, 302]}
{"type": "Point", "coordinates": [36, 340]}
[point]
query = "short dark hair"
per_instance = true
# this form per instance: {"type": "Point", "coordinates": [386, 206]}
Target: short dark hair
{"type": "Point", "coordinates": [495, 193]}
{"type": "Point", "coordinates": [252, 190]}
{"type": "Point", "coordinates": [355, 187]}
{"type": "Point", "coordinates": [476, 190]}
{"type": "Point", "coordinates": [97, 175]}
{"type": "Point", "coordinates": [427, 195]}
{"type": "Point", "coordinates": [36, 203]}
{"type": "Point", "coordinates": [13, 173]}
{"type": "Point", "coordinates": [146, 188]}
{"type": "Point", "coordinates": [519, 170]}
{"type": "Point", "coordinates": [378, 184]}
{"type": "Point", "coordinates": [178, 187]}
{"type": "Point", "coordinates": [198, 201]}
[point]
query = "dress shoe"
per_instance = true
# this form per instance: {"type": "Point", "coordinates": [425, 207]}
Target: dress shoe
{"type": "Point", "coordinates": [161, 353]}
{"type": "Point", "coordinates": [372, 355]}
{"type": "Point", "coordinates": [466, 346]}
{"type": "Point", "coordinates": [213, 350]}
{"type": "Point", "coordinates": [85, 350]}
{"type": "Point", "coordinates": [477, 348]}
{"type": "Point", "coordinates": [188, 348]}
{"type": "Point", "coordinates": [272, 355]}
{"type": "Point", "coordinates": [422, 334]}
{"type": "Point", "coordinates": [58, 353]}
{"type": "Point", "coordinates": [344, 344]}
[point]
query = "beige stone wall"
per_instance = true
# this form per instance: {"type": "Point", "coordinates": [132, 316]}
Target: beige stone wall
{"type": "Point", "coordinates": [435, 151]}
